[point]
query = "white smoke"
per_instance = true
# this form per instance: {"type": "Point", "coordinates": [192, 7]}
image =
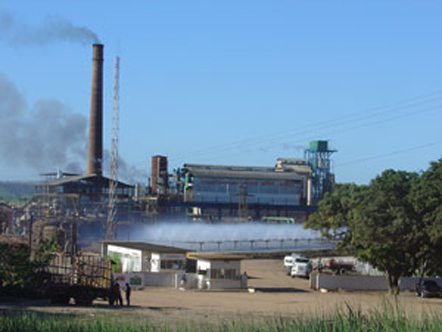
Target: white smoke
{"type": "Point", "coordinates": [195, 232]}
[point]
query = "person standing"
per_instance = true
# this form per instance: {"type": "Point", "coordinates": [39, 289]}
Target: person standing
{"type": "Point", "coordinates": [128, 290]}
{"type": "Point", "coordinates": [118, 297]}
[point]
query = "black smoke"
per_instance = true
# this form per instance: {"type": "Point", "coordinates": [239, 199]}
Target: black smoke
{"type": "Point", "coordinates": [53, 29]}
{"type": "Point", "coordinates": [45, 136]}
{"type": "Point", "coordinates": [48, 136]}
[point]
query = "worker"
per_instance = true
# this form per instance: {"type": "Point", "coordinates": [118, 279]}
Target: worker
{"type": "Point", "coordinates": [112, 292]}
{"type": "Point", "coordinates": [128, 289]}
{"type": "Point", "coordinates": [118, 297]}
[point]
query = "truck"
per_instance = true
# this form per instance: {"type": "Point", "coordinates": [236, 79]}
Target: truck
{"type": "Point", "coordinates": [301, 267]}
{"type": "Point", "coordinates": [83, 278]}
{"type": "Point", "coordinates": [295, 263]}
{"type": "Point", "coordinates": [338, 266]}
{"type": "Point", "coordinates": [288, 263]}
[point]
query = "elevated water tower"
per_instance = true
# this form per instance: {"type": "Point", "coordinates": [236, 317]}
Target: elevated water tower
{"type": "Point", "coordinates": [318, 157]}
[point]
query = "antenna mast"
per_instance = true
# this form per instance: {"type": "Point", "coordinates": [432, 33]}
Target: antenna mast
{"type": "Point", "coordinates": [110, 229]}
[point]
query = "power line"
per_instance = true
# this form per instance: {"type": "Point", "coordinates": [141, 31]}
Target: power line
{"type": "Point", "coordinates": [355, 117]}
{"type": "Point", "coordinates": [337, 131]}
{"type": "Point", "coordinates": [423, 146]}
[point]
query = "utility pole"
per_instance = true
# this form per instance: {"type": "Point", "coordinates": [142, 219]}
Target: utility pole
{"type": "Point", "coordinates": [31, 223]}
{"type": "Point", "coordinates": [242, 201]}
{"type": "Point", "coordinates": [73, 249]}
{"type": "Point", "coordinates": [112, 209]}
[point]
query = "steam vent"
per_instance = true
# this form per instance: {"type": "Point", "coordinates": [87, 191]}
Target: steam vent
{"type": "Point", "coordinates": [95, 143]}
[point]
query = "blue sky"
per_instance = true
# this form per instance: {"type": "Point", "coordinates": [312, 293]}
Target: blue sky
{"type": "Point", "coordinates": [244, 82]}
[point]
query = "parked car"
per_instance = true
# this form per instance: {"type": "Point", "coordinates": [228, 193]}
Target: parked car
{"type": "Point", "coordinates": [427, 288]}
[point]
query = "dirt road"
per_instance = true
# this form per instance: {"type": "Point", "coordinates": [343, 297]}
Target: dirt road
{"type": "Point", "coordinates": [276, 295]}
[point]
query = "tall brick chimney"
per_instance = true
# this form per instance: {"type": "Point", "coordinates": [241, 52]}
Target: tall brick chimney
{"type": "Point", "coordinates": [95, 142]}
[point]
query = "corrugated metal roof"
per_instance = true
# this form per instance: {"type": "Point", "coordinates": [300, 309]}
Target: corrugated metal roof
{"type": "Point", "coordinates": [216, 256]}
{"type": "Point", "coordinates": [229, 168]}
{"type": "Point", "coordinates": [145, 246]}
{"type": "Point", "coordinates": [93, 179]}
{"type": "Point", "coordinates": [256, 175]}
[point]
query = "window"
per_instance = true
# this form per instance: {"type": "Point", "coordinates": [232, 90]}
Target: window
{"type": "Point", "coordinates": [223, 274]}
{"type": "Point", "coordinates": [172, 264]}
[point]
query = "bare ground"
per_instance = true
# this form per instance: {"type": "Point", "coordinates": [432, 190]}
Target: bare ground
{"type": "Point", "coordinates": [276, 295]}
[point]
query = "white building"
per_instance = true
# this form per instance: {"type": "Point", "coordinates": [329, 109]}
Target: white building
{"type": "Point", "coordinates": [216, 271]}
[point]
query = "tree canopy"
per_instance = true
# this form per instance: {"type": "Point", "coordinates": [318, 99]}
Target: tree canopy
{"type": "Point", "coordinates": [394, 223]}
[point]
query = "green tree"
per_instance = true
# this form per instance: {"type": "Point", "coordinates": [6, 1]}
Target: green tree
{"type": "Point", "coordinates": [428, 204]}
{"type": "Point", "coordinates": [117, 264]}
{"type": "Point", "coordinates": [385, 229]}
{"type": "Point", "coordinates": [378, 222]}
{"type": "Point", "coordinates": [336, 213]}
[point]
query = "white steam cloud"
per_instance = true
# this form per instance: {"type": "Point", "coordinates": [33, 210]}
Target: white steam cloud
{"type": "Point", "coordinates": [195, 232]}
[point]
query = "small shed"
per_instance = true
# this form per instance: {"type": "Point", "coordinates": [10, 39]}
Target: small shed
{"type": "Point", "coordinates": [218, 271]}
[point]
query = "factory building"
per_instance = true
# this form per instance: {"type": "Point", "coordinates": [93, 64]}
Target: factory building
{"type": "Point", "coordinates": [230, 184]}
{"type": "Point", "coordinates": [92, 187]}
{"type": "Point", "coordinates": [89, 188]}
{"type": "Point", "coordinates": [290, 189]}
{"type": "Point", "coordinates": [248, 192]}
{"type": "Point", "coordinates": [80, 203]}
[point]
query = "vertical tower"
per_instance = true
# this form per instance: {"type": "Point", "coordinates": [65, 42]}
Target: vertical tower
{"type": "Point", "coordinates": [113, 183]}
{"type": "Point", "coordinates": [160, 176]}
{"type": "Point", "coordinates": [95, 142]}
{"type": "Point", "coordinates": [318, 157]}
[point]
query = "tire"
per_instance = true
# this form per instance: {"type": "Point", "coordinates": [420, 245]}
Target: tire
{"type": "Point", "coordinates": [60, 299]}
{"type": "Point", "coordinates": [84, 299]}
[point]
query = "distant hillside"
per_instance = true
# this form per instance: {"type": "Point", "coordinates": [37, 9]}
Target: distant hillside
{"type": "Point", "coordinates": [16, 191]}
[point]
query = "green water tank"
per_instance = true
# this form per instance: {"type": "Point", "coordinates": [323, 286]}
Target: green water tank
{"type": "Point", "coordinates": [319, 146]}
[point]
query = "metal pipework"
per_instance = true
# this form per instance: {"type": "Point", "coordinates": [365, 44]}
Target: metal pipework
{"type": "Point", "coordinates": [95, 142]}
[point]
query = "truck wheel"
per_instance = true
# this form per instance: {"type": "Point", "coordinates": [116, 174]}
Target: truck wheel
{"type": "Point", "coordinates": [84, 299]}
{"type": "Point", "coordinates": [60, 299]}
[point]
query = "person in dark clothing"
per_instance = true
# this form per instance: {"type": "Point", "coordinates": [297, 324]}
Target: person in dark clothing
{"type": "Point", "coordinates": [128, 290]}
{"type": "Point", "coordinates": [118, 297]}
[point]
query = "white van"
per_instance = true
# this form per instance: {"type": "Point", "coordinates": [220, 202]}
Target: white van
{"type": "Point", "coordinates": [301, 267]}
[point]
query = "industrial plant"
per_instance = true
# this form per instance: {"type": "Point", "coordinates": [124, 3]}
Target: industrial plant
{"type": "Point", "coordinates": [82, 208]}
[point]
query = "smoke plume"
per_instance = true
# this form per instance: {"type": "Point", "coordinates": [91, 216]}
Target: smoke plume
{"type": "Point", "coordinates": [52, 29]}
{"type": "Point", "coordinates": [126, 172]}
{"type": "Point", "coordinates": [47, 137]}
